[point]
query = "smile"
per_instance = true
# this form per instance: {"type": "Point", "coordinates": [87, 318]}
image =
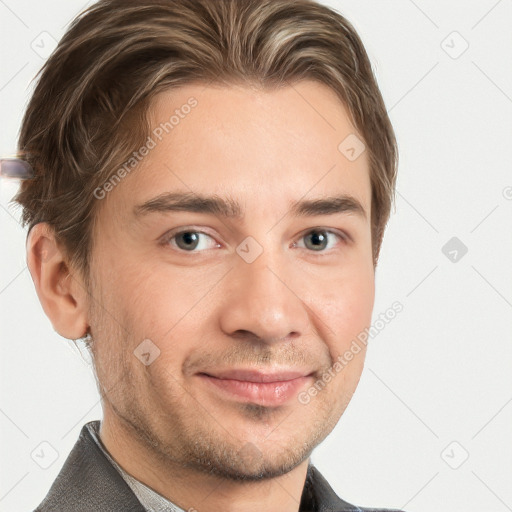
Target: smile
{"type": "Point", "coordinates": [265, 389]}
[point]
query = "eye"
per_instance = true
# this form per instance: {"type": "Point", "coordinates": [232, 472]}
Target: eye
{"type": "Point", "coordinates": [320, 239]}
{"type": "Point", "coordinates": [191, 241]}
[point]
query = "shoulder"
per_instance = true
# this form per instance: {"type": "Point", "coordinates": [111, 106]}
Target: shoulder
{"type": "Point", "coordinates": [88, 481]}
{"type": "Point", "coordinates": [362, 509]}
{"type": "Point", "coordinates": [319, 496]}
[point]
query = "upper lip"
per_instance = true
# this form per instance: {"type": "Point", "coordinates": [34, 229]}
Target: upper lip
{"type": "Point", "coordinates": [258, 375]}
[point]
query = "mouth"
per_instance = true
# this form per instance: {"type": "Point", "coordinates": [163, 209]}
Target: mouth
{"type": "Point", "coordinates": [264, 388]}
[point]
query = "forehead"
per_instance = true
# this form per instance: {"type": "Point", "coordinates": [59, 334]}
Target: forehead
{"type": "Point", "coordinates": [260, 146]}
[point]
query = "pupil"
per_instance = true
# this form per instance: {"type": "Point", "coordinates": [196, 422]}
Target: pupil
{"type": "Point", "coordinates": [318, 239]}
{"type": "Point", "coordinates": [190, 240]}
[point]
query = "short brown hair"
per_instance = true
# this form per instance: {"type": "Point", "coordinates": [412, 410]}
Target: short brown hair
{"type": "Point", "coordinates": [89, 108]}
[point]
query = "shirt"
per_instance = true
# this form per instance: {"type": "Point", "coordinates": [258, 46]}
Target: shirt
{"type": "Point", "coordinates": [149, 499]}
{"type": "Point", "coordinates": [91, 481]}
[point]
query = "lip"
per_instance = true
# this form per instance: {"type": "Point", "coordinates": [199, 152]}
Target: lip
{"type": "Point", "coordinates": [265, 388]}
{"type": "Point", "coordinates": [251, 375]}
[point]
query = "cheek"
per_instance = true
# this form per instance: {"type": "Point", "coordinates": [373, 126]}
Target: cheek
{"type": "Point", "coordinates": [163, 305]}
{"type": "Point", "coordinates": [346, 309]}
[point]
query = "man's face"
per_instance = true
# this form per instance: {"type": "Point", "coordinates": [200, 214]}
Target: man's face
{"type": "Point", "coordinates": [222, 310]}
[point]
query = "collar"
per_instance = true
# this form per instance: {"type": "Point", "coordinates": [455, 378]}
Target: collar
{"type": "Point", "coordinates": [91, 480]}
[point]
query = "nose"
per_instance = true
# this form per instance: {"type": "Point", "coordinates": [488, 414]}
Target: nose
{"type": "Point", "coordinates": [262, 301]}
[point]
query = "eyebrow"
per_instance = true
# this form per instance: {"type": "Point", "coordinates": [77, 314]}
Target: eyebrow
{"type": "Point", "coordinates": [229, 208]}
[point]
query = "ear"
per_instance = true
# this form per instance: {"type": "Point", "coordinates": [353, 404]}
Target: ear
{"type": "Point", "coordinates": [61, 292]}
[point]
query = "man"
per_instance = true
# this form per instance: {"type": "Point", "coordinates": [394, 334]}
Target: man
{"type": "Point", "coordinates": [212, 182]}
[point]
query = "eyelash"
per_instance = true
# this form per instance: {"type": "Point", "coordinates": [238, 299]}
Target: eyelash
{"type": "Point", "coordinates": [172, 235]}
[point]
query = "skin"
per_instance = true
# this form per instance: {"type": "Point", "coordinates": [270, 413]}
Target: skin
{"type": "Point", "coordinates": [292, 307]}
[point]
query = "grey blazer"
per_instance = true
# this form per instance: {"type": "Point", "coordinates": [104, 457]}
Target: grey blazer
{"type": "Point", "coordinates": [88, 482]}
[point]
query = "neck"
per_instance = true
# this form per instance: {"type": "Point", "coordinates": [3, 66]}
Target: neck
{"type": "Point", "coordinates": [193, 490]}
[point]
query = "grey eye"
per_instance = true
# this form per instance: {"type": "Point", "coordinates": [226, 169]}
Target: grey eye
{"type": "Point", "coordinates": [188, 240]}
{"type": "Point", "coordinates": [316, 240]}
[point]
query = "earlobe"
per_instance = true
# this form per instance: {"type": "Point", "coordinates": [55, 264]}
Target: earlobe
{"type": "Point", "coordinates": [61, 292]}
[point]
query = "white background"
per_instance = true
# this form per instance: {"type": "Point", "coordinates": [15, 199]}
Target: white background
{"type": "Point", "coordinates": [437, 383]}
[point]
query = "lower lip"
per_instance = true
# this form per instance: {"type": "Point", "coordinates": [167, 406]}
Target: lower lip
{"type": "Point", "coordinates": [264, 393]}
